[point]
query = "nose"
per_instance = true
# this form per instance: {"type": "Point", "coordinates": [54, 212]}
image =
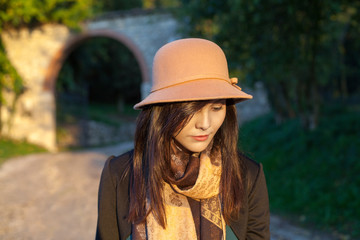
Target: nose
{"type": "Point", "coordinates": [202, 120]}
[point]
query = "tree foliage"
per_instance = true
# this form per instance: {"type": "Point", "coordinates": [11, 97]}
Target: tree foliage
{"type": "Point", "coordinates": [160, 3]}
{"type": "Point", "coordinates": [114, 5]}
{"type": "Point", "coordinates": [303, 51]}
{"type": "Point", "coordinates": [18, 13]}
{"type": "Point", "coordinates": [9, 81]}
{"type": "Point", "coordinates": [103, 70]}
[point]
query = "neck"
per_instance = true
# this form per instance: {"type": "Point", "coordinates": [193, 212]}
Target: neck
{"type": "Point", "coordinates": [182, 148]}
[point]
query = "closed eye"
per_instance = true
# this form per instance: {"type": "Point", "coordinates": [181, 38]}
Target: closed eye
{"type": "Point", "coordinates": [217, 107]}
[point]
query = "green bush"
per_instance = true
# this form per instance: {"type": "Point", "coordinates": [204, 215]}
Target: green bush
{"type": "Point", "coordinates": [311, 174]}
{"type": "Point", "coordinates": [12, 148]}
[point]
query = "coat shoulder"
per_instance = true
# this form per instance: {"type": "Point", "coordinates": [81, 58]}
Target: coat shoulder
{"type": "Point", "coordinates": [120, 165]}
{"type": "Point", "coordinates": [251, 169]}
{"type": "Point", "coordinates": [251, 165]}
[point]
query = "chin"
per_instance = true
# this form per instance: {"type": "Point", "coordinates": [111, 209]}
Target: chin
{"type": "Point", "coordinates": [198, 147]}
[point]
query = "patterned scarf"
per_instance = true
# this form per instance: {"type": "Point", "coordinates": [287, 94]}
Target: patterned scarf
{"type": "Point", "coordinates": [191, 198]}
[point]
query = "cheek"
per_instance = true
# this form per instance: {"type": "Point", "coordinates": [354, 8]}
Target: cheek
{"type": "Point", "coordinates": [181, 130]}
{"type": "Point", "coordinates": [183, 138]}
{"type": "Point", "coordinates": [219, 120]}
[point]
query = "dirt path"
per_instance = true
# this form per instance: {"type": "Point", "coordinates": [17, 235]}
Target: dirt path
{"type": "Point", "coordinates": [54, 196]}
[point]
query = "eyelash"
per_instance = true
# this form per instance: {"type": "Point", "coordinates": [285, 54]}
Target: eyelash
{"type": "Point", "coordinates": [217, 108]}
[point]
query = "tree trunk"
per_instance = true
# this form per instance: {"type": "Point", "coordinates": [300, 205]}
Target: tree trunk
{"type": "Point", "coordinates": [342, 53]}
{"type": "Point", "coordinates": [274, 100]}
{"type": "Point", "coordinates": [314, 100]}
{"type": "Point", "coordinates": [1, 121]}
{"type": "Point", "coordinates": [287, 100]}
{"type": "Point", "coordinates": [1, 105]}
{"type": "Point", "coordinates": [343, 83]}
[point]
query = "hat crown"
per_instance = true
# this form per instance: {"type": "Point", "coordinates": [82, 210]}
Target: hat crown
{"type": "Point", "coordinates": [191, 69]}
{"type": "Point", "coordinates": [186, 60]}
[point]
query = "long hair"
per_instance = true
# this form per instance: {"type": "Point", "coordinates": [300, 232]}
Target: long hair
{"type": "Point", "coordinates": [156, 125]}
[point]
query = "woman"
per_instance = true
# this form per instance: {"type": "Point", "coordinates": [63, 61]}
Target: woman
{"type": "Point", "coordinates": [185, 178]}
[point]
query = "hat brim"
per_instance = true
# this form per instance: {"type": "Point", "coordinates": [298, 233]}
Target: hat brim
{"type": "Point", "coordinates": [206, 89]}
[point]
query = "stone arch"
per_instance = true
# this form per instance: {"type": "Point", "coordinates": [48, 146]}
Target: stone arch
{"type": "Point", "coordinates": [74, 41]}
{"type": "Point", "coordinates": [61, 55]}
{"type": "Point", "coordinates": [39, 54]}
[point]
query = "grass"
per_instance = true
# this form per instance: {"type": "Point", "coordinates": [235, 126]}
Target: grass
{"type": "Point", "coordinates": [12, 148]}
{"type": "Point", "coordinates": [313, 175]}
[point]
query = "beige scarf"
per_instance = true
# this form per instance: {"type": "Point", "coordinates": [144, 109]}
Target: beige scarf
{"type": "Point", "coordinates": [181, 221]}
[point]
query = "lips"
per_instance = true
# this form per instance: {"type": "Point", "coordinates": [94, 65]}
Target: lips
{"type": "Point", "coordinates": [201, 137]}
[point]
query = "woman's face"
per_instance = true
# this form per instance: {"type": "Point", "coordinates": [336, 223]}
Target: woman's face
{"type": "Point", "coordinates": [196, 135]}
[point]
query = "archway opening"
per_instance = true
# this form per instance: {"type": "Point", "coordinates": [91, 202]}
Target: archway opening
{"type": "Point", "coordinates": [97, 86]}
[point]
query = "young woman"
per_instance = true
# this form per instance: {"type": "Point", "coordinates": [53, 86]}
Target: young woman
{"type": "Point", "coordinates": [185, 178]}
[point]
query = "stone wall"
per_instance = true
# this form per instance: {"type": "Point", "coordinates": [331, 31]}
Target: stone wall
{"type": "Point", "coordinates": [99, 133]}
{"type": "Point", "coordinates": [30, 52]}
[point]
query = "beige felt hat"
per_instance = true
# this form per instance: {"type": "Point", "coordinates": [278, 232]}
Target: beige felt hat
{"type": "Point", "coordinates": [191, 69]}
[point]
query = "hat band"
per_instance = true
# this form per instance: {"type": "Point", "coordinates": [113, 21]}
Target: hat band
{"type": "Point", "coordinates": [233, 83]}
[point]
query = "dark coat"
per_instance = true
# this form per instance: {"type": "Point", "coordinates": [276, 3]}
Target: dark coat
{"type": "Point", "coordinates": [113, 205]}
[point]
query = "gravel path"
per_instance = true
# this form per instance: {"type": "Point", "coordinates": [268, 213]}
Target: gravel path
{"type": "Point", "coordinates": [54, 196]}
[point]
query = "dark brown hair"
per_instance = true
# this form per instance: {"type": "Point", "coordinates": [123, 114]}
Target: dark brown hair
{"type": "Point", "coordinates": [156, 125]}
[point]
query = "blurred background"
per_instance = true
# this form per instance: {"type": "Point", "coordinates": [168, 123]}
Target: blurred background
{"type": "Point", "coordinates": [71, 70]}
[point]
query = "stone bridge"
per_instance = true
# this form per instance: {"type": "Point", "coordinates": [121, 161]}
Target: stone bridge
{"type": "Point", "coordinates": [38, 55]}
